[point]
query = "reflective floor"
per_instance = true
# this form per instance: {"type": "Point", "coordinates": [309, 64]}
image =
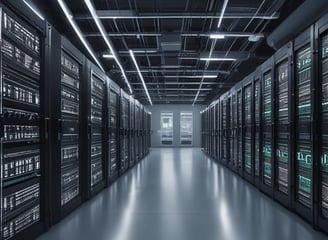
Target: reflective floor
{"type": "Point", "coordinates": [180, 194]}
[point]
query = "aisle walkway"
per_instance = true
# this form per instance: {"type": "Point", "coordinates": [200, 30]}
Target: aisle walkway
{"type": "Point", "coordinates": [179, 194]}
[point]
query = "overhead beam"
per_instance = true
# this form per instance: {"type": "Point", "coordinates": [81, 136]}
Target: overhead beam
{"type": "Point", "coordinates": [131, 14]}
{"type": "Point", "coordinates": [183, 34]}
{"type": "Point", "coordinates": [147, 70]}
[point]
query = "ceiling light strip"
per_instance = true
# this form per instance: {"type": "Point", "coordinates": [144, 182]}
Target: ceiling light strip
{"type": "Point", "coordinates": [34, 10]}
{"type": "Point", "coordinates": [105, 37]}
{"type": "Point", "coordinates": [77, 30]}
{"type": "Point", "coordinates": [222, 12]}
{"type": "Point", "coordinates": [204, 76]}
{"type": "Point", "coordinates": [140, 75]}
{"type": "Point", "coordinates": [218, 59]}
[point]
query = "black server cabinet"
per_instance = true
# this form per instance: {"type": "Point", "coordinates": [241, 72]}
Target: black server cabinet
{"type": "Point", "coordinates": [137, 125]}
{"type": "Point", "coordinates": [94, 112]}
{"type": "Point", "coordinates": [207, 130]}
{"type": "Point", "coordinates": [233, 132]}
{"type": "Point", "coordinates": [113, 100]}
{"type": "Point", "coordinates": [248, 129]}
{"type": "Point", "coordinates": [124, 132]}
{"type": "Point", "coordinates": [267, 163]}
{"type": "Point", "coordinates": [226, 130]}
{"type": "Point", "coordinates": [143, 132]}
{"type": "Point", "coordinates": [240, 130]}
{"type": "Point", "coordinates": [283, 86]}
{"type": "Point", "coordinates": [257, 126]}
{"type": "Point", "coordinates": [23, 135]}
{"type": "Point", "coordinates": [132, 133]}
{"type": "Point", "coordinates": [65, 76]}
{"type": "Point", "coordinates": [216, 142]}
{"type": "Point", "coordinates": [303, 165]}
{"type": "Point", "coordinates": [211, 125]}
{"type": "Point", "coordinates": [322, 157]}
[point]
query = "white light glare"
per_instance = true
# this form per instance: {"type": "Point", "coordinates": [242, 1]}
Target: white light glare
{"type": "Point", "coordinates": [218, 59]}
{"type": "Point", "coordinates": [78, 31]}
{"type": "Point", "coordinates": [108, 56]}
{"type": "Point", "coordinates": [205, 76]}
{"type": "Point", "coordinates": [140, 75]}
{"type": "Point", "coordinates": [222, 12]}
{"type": "Point", "coordinates": [217, 36]}
{"type": "Point", "coordinates": [34, 10]}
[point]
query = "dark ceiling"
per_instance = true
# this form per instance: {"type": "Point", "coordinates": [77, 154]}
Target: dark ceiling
{"type": "Point", "coordinates": [169, 38]}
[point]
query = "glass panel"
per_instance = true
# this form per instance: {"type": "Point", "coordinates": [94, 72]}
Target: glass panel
{"type": "Point", "coordinates": [303, 118]}
{"type": "Point", "coordinates": [267, 128]}
{"type": "Point", "coordinates": [167, 128]}
{"type": "Point", "coordinates": [70, 111]}
{"type": "Point", "coordinates": [186, 128]}
{"type": "Point", "coordinates": [324, 150]}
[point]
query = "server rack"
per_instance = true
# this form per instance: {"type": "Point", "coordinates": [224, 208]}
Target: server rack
{"type": "Point", "coordinates": [132, 132]}
{"type": "Point", "coordinates": [240, 130]}
{"type": "Point", "coordinates": [233, 132]}
{"type": "Point", "coordinates": [113, 92]}
{"type": "Point", "coordinates": [303, 127]}
{"type": "Point", "coordinates": [143, 132]}
{"type": "Point", "coordinates": [283, 84]}
{"type": "Point", "coordinates": [148, 145]}
{"type": "Point", "coordinates": [257, 126]}
{"type": "Point", "coordinates": [207, 131]}
{"type": "Point", "coordinates": [65, 73]}
{"type": "Point", "coordinates": [23, 132]}
{"type": "Point", "coordinates": [226, 129]}
{"type": "Point", "coordinates": [94, 113]}
{"type": "Point", "coordinates": [267, 127]}
{"type": "Point", "coordinates": [321, 36]}
{"type": "Point", "coordinates": [138, 129]}
{"type": "Point", "coordinates": [248, 129]}
{"type": "Point", "coordinates": [124, 131]}
{"type": "Point", "coordinates": [216, 130]}
{"type": "Point", "coordinates": [211, 125]}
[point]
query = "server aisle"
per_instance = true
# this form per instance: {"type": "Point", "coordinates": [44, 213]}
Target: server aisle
{"type": "Point", "coordinates": [175, 212]}
{"type": "Point", "coordinates": [23, 160]}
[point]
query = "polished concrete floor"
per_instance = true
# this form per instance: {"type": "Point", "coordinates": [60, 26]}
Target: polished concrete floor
{"type": "Point", "coordinates": [180, 194]}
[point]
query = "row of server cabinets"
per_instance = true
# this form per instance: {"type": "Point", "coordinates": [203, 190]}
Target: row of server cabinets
{"type": "Point", "coordinates": [67, 130]}
{"type": "Point", "coordinates": [271, 128]}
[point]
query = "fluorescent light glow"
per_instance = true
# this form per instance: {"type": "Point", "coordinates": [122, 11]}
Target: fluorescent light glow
{"type": "Point", "coordinates": [77, 30]}
{"type": "Point", "coordinates": [140, 75]}
{"type": "Point", "coordinates": [108, 56]}
{"type": "Point", "coordinates": [218, 59]}
{"type": "Point", "coordinates": [104, 35]}
{"type": "Point", "coordinates": [205, 76]}
{"type": "Point", "coordinates": [217, 36]}
{"type": "Point", "coordinates": [34, 10]}
{"type": "Point", "coordinates": [222, 12]}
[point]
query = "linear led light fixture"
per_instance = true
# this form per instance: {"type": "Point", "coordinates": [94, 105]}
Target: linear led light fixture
{"type": "Point", "coordinates": [77, 30]}
{"type": "Point", "coordinates": [34, 10]}
{"type": "Point", "coordinates": [217, 36]}
{"type": "Point", "coordinates": [108, 56]}
{"type": "Point", "coordinates": [250, 36]}
{"type": "Point", "coordinates": [140, 75]}
{"type": "Point", "coordinates": [218, 59]}
{"type": "Point", "coordinates": [104, 35]}
{"type": "Point", "coordinates": [205, 76]}
{"type": "Point", "coordinates": [222, 12]}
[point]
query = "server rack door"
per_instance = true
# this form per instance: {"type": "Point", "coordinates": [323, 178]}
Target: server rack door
{"type": "Point", "coordinates": [248, 163]}
{"type": "Point", "coordinates": [232, 119]}
{"type": "Point", "coordinates": [303, 46]}
{"type": "Point", "coordinates": [322, 157]}
{"type": "Point", "coordinates": [132, 132]}
{"type": "Point", "coordinates": [267, 123]}
{"type": "Point", "coordinates": [96, 129]}
{"type": "Point", "coordinates": [124, 127]}
{"type": "Point", "coordinates": [282, 147]}
{"type": "Point", "coordinates": [23, 170]}
{"type": "Point", "coordinates": [240, 131]}
{"type": "Point", "coordinates": [216, 142]}
{"type": "Point", "coordinates": [257, 127]}
{"type": "Point", "coordinates": [113, 132]}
